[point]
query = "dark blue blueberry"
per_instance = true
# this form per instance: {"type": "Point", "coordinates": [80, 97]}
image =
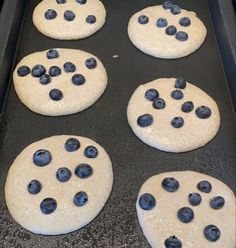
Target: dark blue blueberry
{"type": "Point", "coordinates": [167, 5]}
{"type": "Point", "coordinates": [159, 103]}
{"type": "Point", "coordinates": [56, 94]}
{"type": "Point", "coordinates": [151, 94]}
{"type": "Point", "coordinates": [185, 214]}
{"type": "Point", "coordinates": [173, 242]}
{"type": "Point", "coordinates": [143, 19]}
{"type": "Point", "coordinates": [34, 187]}
{"type": "Point", "coordinates": [171, 30]}
{"type": "Point", "coordinates": [91, 152]}
{"type": "Point", "coordinates": [177, 94]}
{"type": "Point", "coordinates": [72, 145]}
{"type": "Point", "coordinates": [69, 15]}
{"type": "Point", "coordinates": [84, 171]}
{"type": "Point", "coordinates": [170, 184]}
{"type": "Point", "coordinates": [177, 122]}
{"type": "Point", "coordinates": [204, 186]}
{"type": "Point", "coordinates": [61, 1]}
{"type": "Point", "coordinates": [50, 14]}
{"type": "Point", "coordinates": [185, 21]}
{"type": "Point", "coordinates": [54, 71]}
{"type": "Point", "coordinates": [42, 157]}
{"type": "Point", "coordinates": [203, 112]}
{"type": "Point", "coordinates": [161, 23]}
{"type": "Point", "coordinates": [52, 54]}
{"type": "Point", "coordinates": [81, 1]}
{"type": "Point", "coordinates": [175, 9]}
{"type": "Point", "coordinates": [78, 79]}
{"type": "Point", "coordinates": [91, 19]}
{"type": "Point", "coordinates": [187, 107]}
{"type": "Point", "coordinates": [45, 79]}
{"type": "Point", "coordinates": [181, 36]}
{"type": "Point", "coordinates": [69, 67]}
{"type": "Point", "coordinates": [80, 199]}
{"type": "Point", "coordinates": [180, 83]}
{"type": "Point", "coordinates": [147, 201]}
{"type": "Point", "coordinates": [38, 71]}
{"type": "Point", "coordinates": [194, 199]}
{"type": "Point", "coordinates": [145, 120]}
{"type": "Point", "coordinates": [63, 174]}
{"type": "Point", "coordinates": [48, 205]}
{"type": "Point", "coordinates": [91, 63]}
{"type": "Point", "coordinates": [217, 202]}
{"type": "Point", "coordinates": [23, 71]}
{"type": "Point", "coordinates": [212, 233]}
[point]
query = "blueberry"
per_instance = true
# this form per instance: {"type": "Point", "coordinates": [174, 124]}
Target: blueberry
{"type": "Point", "coordinates": [42, 158]}
{"type": "Point", "coordinates": [78, 79]}
{"type": "Point", "coordinates": [147, 201]}
{"type": "Point", "coordinates": [84, 171]}
{"type": "Point", "coordinates": [175, 9]}
{"type": "Point", "coordinates": [185, 21]}
{"type": "Point", "coordinates": [145, 120]}
{"type": "Point", "coordinates": [80, 199]}
{"type": "Point", "coordinates": [81, 1]}
{"type": "Point", "coordinates": [48, 205]}
{"type": "Point", "coordinates": [91, 63]}
{"type": "Point", "coordinates": [177, 94]}
{"type": "Point", "coordinates": [217, 202]}
{"type": "Point", "coordinates": [171, 30]}
{"type": "Point", "coordinates": [151, 94]}
{"type": "Point", "coordinates": [63, 174]}
{"type": "Point", "coordinates": [69, 15]}
{"type": "Point", "coordinates": [173, 242]}
{"type": "Point", "coordinates": [161, 23]}
{"type": "Point", "coordinates": [181, 36]}
{"type": "Point", "coordinates": [204, 186]}
{"type": "Point", "coordinates": [194, 199]}
{"type": "Point", "coordinates": [143, 19]}
{"type": "Point", "coordinates": [45, 79]}
{"type": "Point", "coordinates": [159, 103]}
{"type": "Point", "coordinates": [91, 152]}
{"type": "Point", "coordinates": [54, 71]}
{"type": "Point", "coordinates": [185, 214]}
{"type": "Point", "coordinates": [56, 94]}
{"type": "Point", "coordinates": [180, 83]}
{"type": "Point", "coordinates": [177, 122]}
{"type": "Point", "coordinates": [52, 54]}
{"type": "Point", "coordinates": [91, 19]}
{"type": "Point", "coordinates": [212, 233]}
{"type": "Point", "coordinates": [167, 5]}
{"type": "Point", "coordinates": [72, 145]}
{"type": "Point", "coordinates": [69, 67]}
{"type": "Point", "coordinates": [23, 71]}
{"type": "Point", "coordinates": [203, 112]}
{"type": "Point", "coordinates": [34, 187]}
{"type": "Point", "coordinates": [50, 14]}
{"type": "Point", "coordinates": [170, 184]}
{"type": "Point", "coordinates": [38, 71]}
{"type": "Point", "coordinates": [61, 1]}
{"type": "Point", "coordinates": [187, 107]}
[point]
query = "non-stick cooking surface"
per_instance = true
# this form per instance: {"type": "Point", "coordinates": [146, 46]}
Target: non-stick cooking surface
{"type": "Point", "coordinates": [105, 122]}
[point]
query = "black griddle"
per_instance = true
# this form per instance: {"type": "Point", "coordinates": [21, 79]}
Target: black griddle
{"type": "Point", "coordinates": [105, 122]}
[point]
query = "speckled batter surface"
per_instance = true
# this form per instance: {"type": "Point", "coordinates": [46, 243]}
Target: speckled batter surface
{"type": "Point", "coordinates": [161, 222]}
{"type": "Point", "coordinates": [25, 207]}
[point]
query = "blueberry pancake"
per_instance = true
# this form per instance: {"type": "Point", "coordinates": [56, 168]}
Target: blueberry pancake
{"type": "Point", "coordinates": [187, 210]}
{"type": "Point", "coordinates": [166, 31]}
{"type": "Point", "coordinates": [59, 184]}
{"type": "Point", "coordinates": [173, 115]}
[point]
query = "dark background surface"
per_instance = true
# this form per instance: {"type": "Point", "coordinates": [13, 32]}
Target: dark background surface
{"type": "Point", "coordinates": [105, 122]}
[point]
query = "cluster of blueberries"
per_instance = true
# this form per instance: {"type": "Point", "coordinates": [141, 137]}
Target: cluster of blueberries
{"type": "Point", "coordinates": [43, 158]}
{"type": "Point", "coordinates": [69, 15]}
{"type": "Point", "coordinates": [39, 71]}
{"type": "Point", "coordinates": [186, 215]}
{"type": "Point", "coordinates": [202, 112]}
{"type": "Point", "coordinates": [163, 23]}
